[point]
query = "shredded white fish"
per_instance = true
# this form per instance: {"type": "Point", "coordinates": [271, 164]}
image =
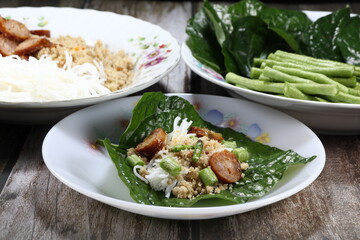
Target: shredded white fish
{"type": "Point", "coordinates": [41, 80]}
{"type": "Point", "coordinates": [158, 178]}
{"type": "Point", "coordinates": [169, 188]}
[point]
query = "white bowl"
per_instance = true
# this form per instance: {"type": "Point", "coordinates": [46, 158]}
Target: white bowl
{"type": "Point", "coordinates": [153, 49]}
{"type": "Point", "coordinates": [321, 117]}
{"type": "Point", "coordinates": [90, 171]}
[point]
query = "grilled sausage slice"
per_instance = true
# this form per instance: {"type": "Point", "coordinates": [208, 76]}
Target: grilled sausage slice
{"type": "Point", "coordinates": [7, 46]}
{"type": "Point", "coordinates": [201, 132]}
{"type": "Point", "coordinates": [152, 143]}
{"type": "Point", "coordinates": [14, 29]}
{"type": "Point", "coordinates": [41, 32]}
{"type": "Point", "coordinates": [225, 166]}
{"type": "Point", "coordinates": [32, 45]}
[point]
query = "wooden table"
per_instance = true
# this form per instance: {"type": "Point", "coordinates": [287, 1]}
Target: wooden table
{"type": "Point", "coordinates": [35, 205]}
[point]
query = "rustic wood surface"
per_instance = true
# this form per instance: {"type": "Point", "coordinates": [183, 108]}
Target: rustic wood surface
{"type": "Point", "coordinates": [35, 205]}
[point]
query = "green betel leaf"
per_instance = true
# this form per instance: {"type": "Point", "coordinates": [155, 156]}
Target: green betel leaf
{"type": "Point", "coordinates": [203, 43]}
{"type": "Point", "coordinates": [348, 40]}
{"type": "Point", "coordinates": [288, 24]}
{"type": "Point", "coordinates": [319, 40]}
{"type": "Point", "coordinates": [251, 32]}
{"type": "Point", "coordinates": [267, 164]}
{"type": "Point", "coordinates": [145, 107]}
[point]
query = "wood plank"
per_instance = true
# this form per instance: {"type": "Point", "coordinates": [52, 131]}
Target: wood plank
{"type": "Point", "coordinates": [40, 205]}
{"type": "Point", "coordinates": [12, 138]}
{"type": "Point", "coordinates": [163, 15]}
{"type": "Point", "coordinates": [44, 208]}
{"type": "Point", "coordinates": [327, 209]}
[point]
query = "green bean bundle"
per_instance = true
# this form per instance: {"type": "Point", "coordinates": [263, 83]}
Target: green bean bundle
{"type": "Point", "coordinates": [302, 77]}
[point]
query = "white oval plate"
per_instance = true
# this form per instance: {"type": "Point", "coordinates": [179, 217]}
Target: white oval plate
{"type": "Point", "coordinates": [71, 156]}
{"type": "Point", "coordinates": [153, 49]}
{"type": "Point", "coordinates": [326, 118]}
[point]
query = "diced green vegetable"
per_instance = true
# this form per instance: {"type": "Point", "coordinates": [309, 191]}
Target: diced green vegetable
{"type": "Point", "coordinates": [194, 137]}
{"type": "Point", "coordinates": [242, 154]}
{"type": "Point", "coordinates": [208, 177]}
{"type": "Point", "coordinates": [199, 145]}
{"type": "Point", "coordinates": [178, 148]}
{"type": "Point", "coordinates": [134, 160]}
{"type": "Point", "coordinates": [229, 144]}
{"type": "Point", "coordinates": [171, 166]}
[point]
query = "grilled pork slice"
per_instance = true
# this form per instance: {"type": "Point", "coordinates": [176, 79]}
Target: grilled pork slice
{"type": "Point", "coordinates": [32, 45]}
{"type": "Point", "coordinates": [41, 32]}
{"type": "Point", "coordinates": [152, 143]}
{"type": "Point", "coordinates": [7, 46]}
{"type": "Point", "coordinates": [201, 132]}
{"type": "Point", "coordinates": [14, 29]}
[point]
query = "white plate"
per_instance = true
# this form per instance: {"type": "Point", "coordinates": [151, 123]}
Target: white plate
{"type": "Point", "coordinates": [153, 49]}
{"type": "Point", "coordinates": [70, 155]}
{"type": "Point", "coordinates": [326, 118]}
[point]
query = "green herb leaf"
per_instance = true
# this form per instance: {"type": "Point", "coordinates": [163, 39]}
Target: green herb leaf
{"type": "Point", "coordinates": [319, 40]}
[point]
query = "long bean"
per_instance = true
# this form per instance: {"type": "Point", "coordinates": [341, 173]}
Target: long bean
{"type": "Point", "coordinates": [344, 97]}
{"type": "Point", "coordinates": [315, 88]}
{"type": "Point", "coordinates": [255, 72]}
{"type": "Point", "coordinates": [315, 77]}
{"type": "Point", "coordinates": [315, 61]}
{"type": "Point", "coordinates": [333, 71]}
{"type": "Point", "coordinates": [253, 84]}
{"type": "Point", "coordinates": [178, 148]}
{"type": "Point", "coordinates": [302, 77]}
{"type": "Point", "coordinates": [348, 82]}
{"type": "Point", "coordinates": [292, 92]}
{"type": "Point", "coordinates": [199, 145]}
{"type": "Point", "coordinates": [275, 74]}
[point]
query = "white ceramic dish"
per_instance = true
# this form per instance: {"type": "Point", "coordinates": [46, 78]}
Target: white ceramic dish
{"type": "Point", "coordinates": [153, 49]}
{"type": "Point", "coordinates": [89, 170]}
{"type": "Point", "coordinates": [325, 118]}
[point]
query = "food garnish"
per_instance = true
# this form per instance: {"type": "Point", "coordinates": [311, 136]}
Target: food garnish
{"type": "Point", "coordinates": [230, 167]}
{"type": "Point", "coordinates": [38, 68]}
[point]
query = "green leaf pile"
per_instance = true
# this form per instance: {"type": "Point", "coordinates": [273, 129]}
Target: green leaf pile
{"type": "Point", "coordinates": [267, 164]}
{"type": "Point", "coordinates": [227, 37]}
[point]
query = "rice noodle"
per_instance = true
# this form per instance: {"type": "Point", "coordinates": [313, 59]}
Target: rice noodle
{"type": "Point", "coordinates": [41, 80]}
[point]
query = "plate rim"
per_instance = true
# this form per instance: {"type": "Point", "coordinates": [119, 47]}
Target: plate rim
{"type": "Point", "coordinates": [188, 212]}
